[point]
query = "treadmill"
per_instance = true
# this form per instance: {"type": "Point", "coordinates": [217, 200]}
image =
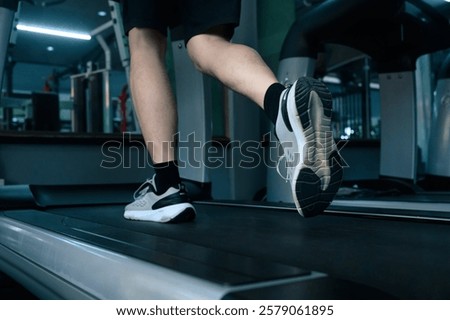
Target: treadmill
{"type": "Point", "coordinates": [72, 242]}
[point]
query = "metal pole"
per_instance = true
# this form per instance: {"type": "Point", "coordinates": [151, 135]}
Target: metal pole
{"type": "Point", "coordinates": [121, 37]}
{"type": "Point", "coordinates": [365, 107]}
{"type": "Point", "coordinates": [122, 45]}
{"type": "Point", "coordinates": [107, 110]}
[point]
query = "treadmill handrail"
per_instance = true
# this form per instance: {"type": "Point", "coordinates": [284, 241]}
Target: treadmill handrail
{"type": "Point", "coordinates": [394, 33]}
{"type": "Point", "coordinates": [332, 16]}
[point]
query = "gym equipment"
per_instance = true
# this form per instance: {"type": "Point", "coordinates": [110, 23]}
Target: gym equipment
{"type": "Point", "coordinates": [194, 111]}
{"type": "Point", "coordinates": [72, 242]}
{"type": "Point", "coordinates": [92, 111]}
{"type": "Point", "coordinates": [45, 111]}
{"type": "Point", "coordinates": [90, 90]}
{"type": "Point", "coordinates": [439, 156]}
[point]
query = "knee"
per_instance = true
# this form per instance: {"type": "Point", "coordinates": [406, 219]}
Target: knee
{"type": "Point", "coordinates": [197, 48]}
{"type": "Point", "coordinates": [147, 39]}
{"type": "Point", "coordinates": [204, 50]}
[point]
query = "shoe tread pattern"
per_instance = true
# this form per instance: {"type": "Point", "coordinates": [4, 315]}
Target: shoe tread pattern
{"type": "Point", "coordinates": [317, 130]}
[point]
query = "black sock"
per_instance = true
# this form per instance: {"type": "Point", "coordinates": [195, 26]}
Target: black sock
{"type": "Point", "coordinates": [166, 176]}
{"type": "Point", "coordinates": [272, 101]}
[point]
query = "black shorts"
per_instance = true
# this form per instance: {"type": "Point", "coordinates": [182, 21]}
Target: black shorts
{"type": "Point", "coordinates": [195, 16]}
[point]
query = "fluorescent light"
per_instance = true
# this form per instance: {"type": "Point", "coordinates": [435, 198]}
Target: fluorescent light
{"type": "Point", "coordinates": [375, 86]}
{"type": "Point", "coordinates": [331, 79]}
{"type": "Point", "coordinates": [54, 32]}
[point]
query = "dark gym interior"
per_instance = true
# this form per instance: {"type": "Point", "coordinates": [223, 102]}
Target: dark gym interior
{"type": "Point", "coordinates": [72, 154]}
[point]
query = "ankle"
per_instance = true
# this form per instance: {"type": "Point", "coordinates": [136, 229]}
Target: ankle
{"type": "Point", "coordinates": [272, 101]}
{"type": "Point", "coordinates": [166, 176]}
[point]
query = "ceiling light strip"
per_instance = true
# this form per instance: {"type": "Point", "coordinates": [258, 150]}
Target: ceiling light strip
{"type": "Point", "coordinates": [53, 32]}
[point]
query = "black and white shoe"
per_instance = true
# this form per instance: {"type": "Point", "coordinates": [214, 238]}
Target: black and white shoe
{"type": "Point", "coordinates": [303, 128]}
{"type": "Point", "coordinates": [172, 206]}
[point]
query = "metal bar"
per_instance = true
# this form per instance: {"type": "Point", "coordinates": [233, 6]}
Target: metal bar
{"type": "Point", "coordinates": [122, 45]}
{"type": "Point", "coordinates": [398, 125]}
{"type": "Point", "coordinates": [107, 110]}
{"type": "Point", "coordinates": [106, 51]}
{"type": "Point", "coordinates": [102, 28]}
{"type": "Point", "coordinates": [365, 107]}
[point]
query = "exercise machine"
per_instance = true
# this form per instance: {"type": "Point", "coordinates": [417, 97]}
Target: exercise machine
{"type": "Point", "coordinates": [62, 242]}
{"type": "Point", "coordinates": [90, 90]}
{"type": "Point", "coordinates": [72, 242]}
{"type": "Point", "coordinates": [439, 154]}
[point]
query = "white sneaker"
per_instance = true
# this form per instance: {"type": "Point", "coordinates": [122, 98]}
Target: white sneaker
{"type": "Point", "coordinates": [303, 128]}
{"type": "Point", "coordinates": [172, 206]}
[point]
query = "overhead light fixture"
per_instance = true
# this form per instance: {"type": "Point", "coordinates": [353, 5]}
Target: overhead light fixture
{"type": "Point", "coordinates": [54, 32]}
{"type": "Point", "coordinates": [50, 48]}
{"type": "Point", "coordinates": [102, 13]}
{"type": "Point", "coordinates": [331, 79]}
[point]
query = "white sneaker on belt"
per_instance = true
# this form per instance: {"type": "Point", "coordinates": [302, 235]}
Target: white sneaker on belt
{"type": "Point", "coordinates": [172, 206]}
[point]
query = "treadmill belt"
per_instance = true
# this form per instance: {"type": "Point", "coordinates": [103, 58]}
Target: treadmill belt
{"type": "Point", "coordinates": [178, 247]}
{"type": "Point", "coordinates": [237, 245]}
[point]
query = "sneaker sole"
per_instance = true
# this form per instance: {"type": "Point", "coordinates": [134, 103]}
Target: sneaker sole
{"type": "Point", "coordinates": [319, 175]}
{"type": "Point", "coordinates": [177, 213]}
{"type": "Point", "coordinates": [186, 215]}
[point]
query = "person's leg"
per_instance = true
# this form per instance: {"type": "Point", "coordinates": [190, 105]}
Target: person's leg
{"type": "Point", "coordinates": [152, 94]}
{"type": "Point", "coordinates": [237, 66]}
{"type": "Point", "coordinates": [301, 115]}
{"type": "Point", "coordinates": [146, 23]}
{"type": "Point", "coordinates": [159, 199]}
